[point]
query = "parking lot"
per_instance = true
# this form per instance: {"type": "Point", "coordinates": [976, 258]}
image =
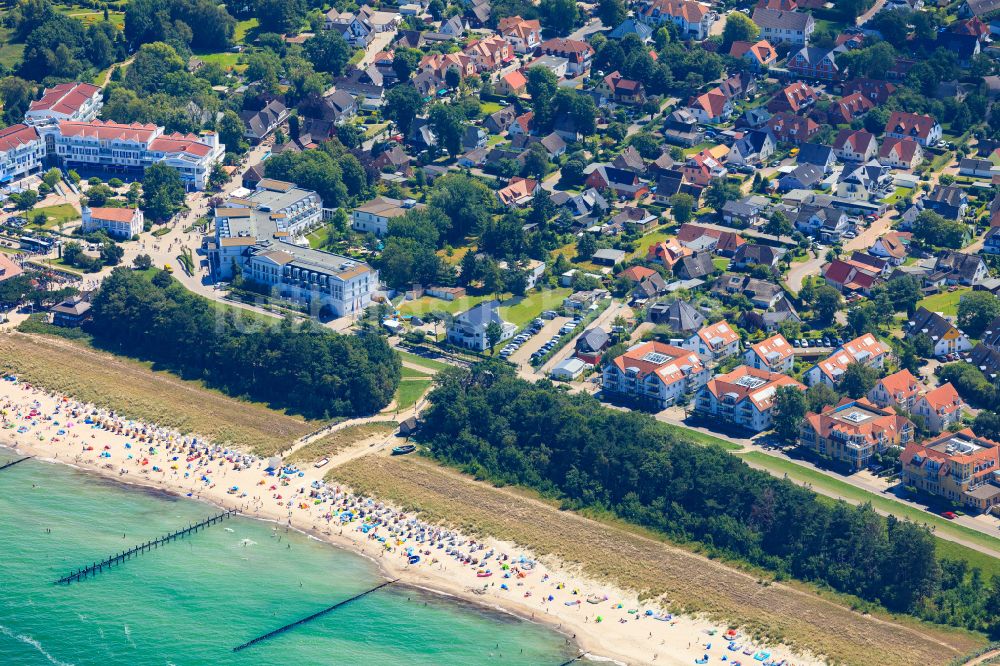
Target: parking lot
{"type": "Point", "coordinates": [551, 327]}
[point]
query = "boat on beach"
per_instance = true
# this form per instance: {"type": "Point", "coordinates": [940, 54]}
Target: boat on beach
{"type": "Point", "coordinates": [403, 449]}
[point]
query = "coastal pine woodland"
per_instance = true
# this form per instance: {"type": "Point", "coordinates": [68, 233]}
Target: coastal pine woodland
{"type": "Point", "coordinates": [491, 424]}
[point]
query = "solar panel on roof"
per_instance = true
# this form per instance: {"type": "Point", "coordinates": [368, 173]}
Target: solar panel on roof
{"type": "Point", "coordinates": [656, 357]}
{"type": "Point", "coordinates": [855, 417]}
{"type": "Point", "coordinates": [750, 382]}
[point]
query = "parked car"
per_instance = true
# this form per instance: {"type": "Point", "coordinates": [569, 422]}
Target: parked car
{"type": "Point", "coordinates": [950, 515]}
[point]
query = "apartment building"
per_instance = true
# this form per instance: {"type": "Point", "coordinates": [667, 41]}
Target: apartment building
{"type": "Point", "coordinates": [854, 431]}
{"type": "Point", "coordinates": [469, 329]}
{"type": "Point", "coordinates": [865, 349]}
{"type": "Point", "coordinates": [773, 354]}
{"type": "Point", "coordinates": [959, 466]}
{"type": "Point", "coordinates": [260, 234]}
{"type": "Point", "coordinates": [22, 152]}
{"type": "Point", "coordinates": [900, 389]}
{"type": "Point", "coordinates": [133, 147]}
{"type": "Point", "coordinates": [714, 342]}
{"type": "Point", "coordinates": [655, 374]}
{"type": "Point", "coordinates": [66, 101]}
{"type": "Point", "coordinates": [940, 408]}
{"type": "Point", "coordinates": [118, 222]}
{"type": "Point", "coordinates": [373, 216]}
{"type": "Point", "coordinates": [743, 397]}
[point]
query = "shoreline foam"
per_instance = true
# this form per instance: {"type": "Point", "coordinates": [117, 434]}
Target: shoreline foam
{"type": "Point", "coordinates": [679, 641]}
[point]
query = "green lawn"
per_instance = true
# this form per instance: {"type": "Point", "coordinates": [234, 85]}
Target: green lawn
{"type": "Point", "coordinates": [225, 59]}
{"type": "Point", "coordinates": [533, 304]}
{"type": "Point", "coordinates": [495, 139]}
{"type": "Point", "coordinates": [10, 53]}
{"type": "Point", "coordinates": [426, 304]}
{"type": "Point", "coordinates": [489, 108]}
{"type": "Point", "coordinates": [410, 373]}
{"type": "Point", "coordinates": [702, 438]}
{"type": "Point", "coordinates": [946, 302]}
{"type": "Point", "coordinates": [720, 263]}
{"type": "Point", "coordinates": [897, 195]}
{"type": "Point", "coordinates": [242, 28]}
{"type": "Point", "coordinates": [9, 250]}
{"type": "Point", "coordinates": [318, 239]}
{"type": "Point", "coordinates": [429, 363]}
{"type": "Point", "coordinates": [409, 392]}
{"type": "Point", "coordinates": [697, 148]}
{"type": "Point", "coordinates": [845, 490]}
{"type": "Point", "coordinates": [56, 215]}
{"type": "Point", "coordinates": [647, 240]}
{"type": "Point", "coordinates": [372, 130]}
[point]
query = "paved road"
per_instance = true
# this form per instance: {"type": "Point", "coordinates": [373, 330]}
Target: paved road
{"type": "Point", "coordinates": [801, 270]}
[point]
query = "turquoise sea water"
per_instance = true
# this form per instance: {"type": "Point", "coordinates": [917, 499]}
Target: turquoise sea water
{"type": "Point", "coordinates": [193, 600]}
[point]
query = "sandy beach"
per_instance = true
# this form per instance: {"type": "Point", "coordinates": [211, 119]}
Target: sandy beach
{"type": "Point", "coordinates": [605, 622]}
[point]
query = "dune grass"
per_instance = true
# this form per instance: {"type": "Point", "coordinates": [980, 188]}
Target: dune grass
{"type": "Point", "coordinates": [338, 440]}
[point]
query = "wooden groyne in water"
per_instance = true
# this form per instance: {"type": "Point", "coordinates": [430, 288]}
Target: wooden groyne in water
{"type": "Point", "coordinates": [98, 567]}
{"type": "Point", "coordinates": [14, 462]}
{"type": "Point", "coordinates": [289, 627]}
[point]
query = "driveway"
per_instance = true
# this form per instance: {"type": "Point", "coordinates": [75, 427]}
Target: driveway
{"type": "Point", "coordinates": [523, 355]}
{"type": "Point", "coordinates": [801, 270]}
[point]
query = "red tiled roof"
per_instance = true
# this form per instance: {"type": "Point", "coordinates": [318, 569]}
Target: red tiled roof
{"type": "Point", "coordinates": [905, 149]}
{"type": "Point", "coordinates": [902, 122]}
{"type": "Point", "coordinates": [943, 399]}
{"type": "Point", "coordinates": [762, 396]}
{"type": "Point", "coordinates": [678, 365]}
{"type": "Point", "coordinates": [179, 143]}
{"type": "Point", "coordinates": [16, 135]}
{"type": "Point", "coordinates": [721, 331]}
{"type": "Point", "coordinates": [108, 130]}
{"type": "Point", "coordinates": [64, 98]}
{"type": "Point", "coordinates": [8, 269]}
{"type": "Point", "coordinates": [776, 344]}
{"type": "Point", "coordinates": [901, 383]}
{"type": "Point", "coordinates": [113, 214]}
{"type": "Point", "coordinates": [637, 273]}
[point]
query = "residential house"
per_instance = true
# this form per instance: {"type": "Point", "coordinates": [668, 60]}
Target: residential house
{"type": "Point", "coordinates": [891, 247]}
{"type": "Point", "coordinates": [904, 125]}
{"type": "Point", "coordinates": [70, 313]}
{"type": "Point", "coordinates": [945, 337]}
{"type": "Point", "coordinates": [900, 389]}
{"type": "Point", "coordinates": [755, 147]}
{"type": "Point", "coordinates": [681, 129]}
{"type": "Point", "coordinates": [864, 182]}
{"type": "Point", "coordinates": [743, 213]}
{"type": "Point", "coordinates": [591, 344]}
{"type": "Point", "coordinates": [825, 222]}
{"type": "Point", "coordinates": [373, 216]}
{"type": "Point", "coordinates": [636, 273]}
{"type": "Point", "coordinates": [763, 294]}
{"type": "Point", "coordinates": [901, 153]}
{"type": "Point", "coordinates": [615, 87]}
{"type": "Point", "coordinates": [625, 184]}
{"type": "Point", "coordinates": [876, 90]}
{"type": "Point", "coordinates": [711, 107]}
{"type": "Point", "coordinates": [695, 266]}
{"type": "Point", "coordinates": [796, 97]}
{"type": "Point", "coordinates": [961, 268]}
{"type": "Point", "coordinates": [584, 300]}
{"type": "Point", "coordinates": [518, 192]}
{"type": "Point", "coordinates": [760, 55]}
{"type": "Point", "coordinates": [849, 107]}
{"type": "Point", "coordinates": [578, 54]}
{"type": "Point", "coordinates": [555, 64]}
{"type": "Point", "coordinates": [865, 349]}
{"type": "Point", "coordinates": [649, 287]}
{"type": "Point", "coordinates": [469, 329]}
{"type": "Point", "coordinates": [636, 219]}
{"type": "Point", "coordinates": [696, 237]}
{"type": "Point", "coordinates": [677, 315]}
{"type": "Point", "coordinates": [783, 26]}
{"type": "Point", "coordinates": [940, 408]}
{"type": "Point", "coordinates": [815, 63]}
{"type": "Point", "coordinates": [949, 201]}
{"type": "Point", "coordinates": [655, 374]}
{"type": "Point", "coordinates": [991, 241]}
{"type": "Point", "coordinates": [260, 124]}
{"type": "Point", "coordinates": [123, 223]}
{"type": "Point", "coordinates": [490, 53]}
{"type": "Point", "coordinates": [477, 13]}
{"type": "Point", "coordinates": [749, 255]}
{"type": "Point", "coordinates": [693, 19]}
{"type": "Point", "coordinates": [772, 354]}
{"type": "Point", "coordinates": [817, 154]}
{"type": "Point", "coordinates": [608, 257]}
{"type": "Point", "coordinates": [701, 168]}
{"type": "Point", "coordinates": [367, 83]}
{"type": "Point", "coordinates": [743, 397]}
{"type": "Point", "coordinates": [500, 121]}
{"type": "Point", "coordinates": [975, 167]}
{"type": "Point", "coordinates": [855, 145]}
{"type": "Point", "coordinates": [523, 34]}
{"type": "Point", "coordinates": [957, 466]}
{"type": "Point", "coordinates": [790, 128]}
{"type": "Point", "coordinates": [854, 431]}
{"type": "Point", "coordinates": [803, 177]}
{"type": "Point", "coordinates": [667, 252]}
{"type": "Point", "coordinates": [630, 160]}
{"type": "Point", "coordinates": [513, 83]}
{"type": "Point", "coordinates": [714, 342]}
{"type": "Point", "coordinates": [631, 26]}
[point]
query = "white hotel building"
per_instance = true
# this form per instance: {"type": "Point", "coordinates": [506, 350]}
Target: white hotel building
{"type": "Point", "coordinates": [61, 128]}
{"type": "Point", "coordinates": [260, 234]}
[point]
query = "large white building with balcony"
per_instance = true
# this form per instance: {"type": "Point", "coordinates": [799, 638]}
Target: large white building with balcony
{"type": "Point", "coordinates": [743, 397]}
{"type": "Point", "coordinates": [654, 374]}
{"type": "Point", "coordinates": [22, 152]}
{"type": "Point", "coordinates": [262, 235]}
{"type": "Point", "coordinates": [66, 101]}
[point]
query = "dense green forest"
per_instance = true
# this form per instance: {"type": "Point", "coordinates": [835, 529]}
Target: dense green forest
{"type": "Point", "coordinates": [305, 368]}
{"type": "Point", "coordinates": [570, 447]}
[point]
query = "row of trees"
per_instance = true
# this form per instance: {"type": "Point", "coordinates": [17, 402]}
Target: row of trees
{"type": "Point", "coordinates": [304, 368]}
{"type": "Point", "coordinates": [571, 448]}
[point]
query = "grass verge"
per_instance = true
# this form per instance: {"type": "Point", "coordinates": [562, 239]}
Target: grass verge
{"type": "Point", "coordinates": [676, 577]}
{"type": "Point", "coordinates": [135, 390]}
{"type": "Point", "coordinates": [429, 363]}
{"type": "Point", "coordinates": [409, 392]}
{"type": "Point", "coordinates": [702, 438]}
